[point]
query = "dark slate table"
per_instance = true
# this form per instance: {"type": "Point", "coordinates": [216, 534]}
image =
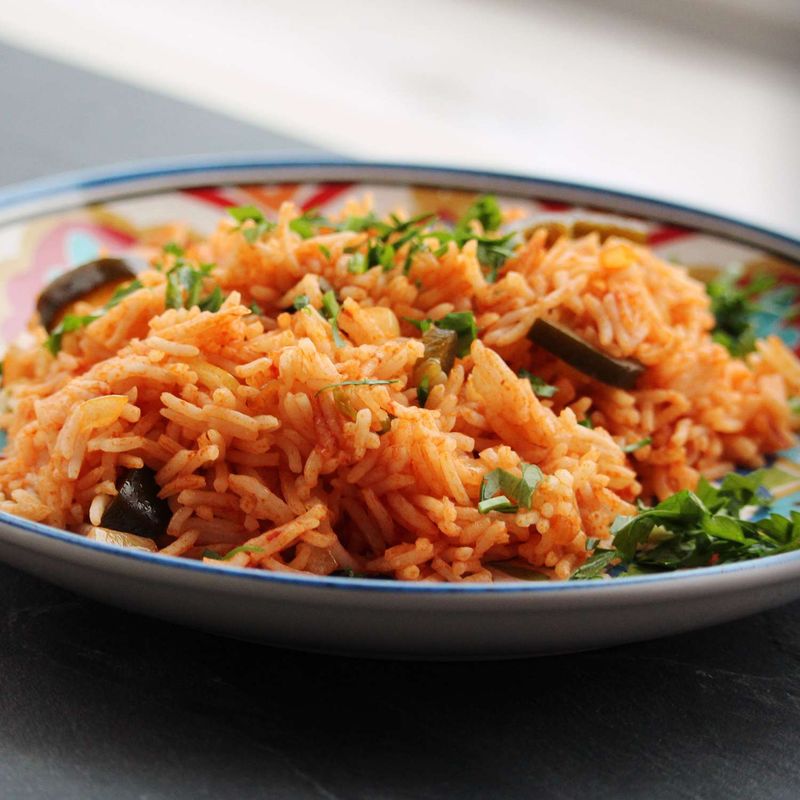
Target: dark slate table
{"type": "Point", "coordinates": [99, 703]}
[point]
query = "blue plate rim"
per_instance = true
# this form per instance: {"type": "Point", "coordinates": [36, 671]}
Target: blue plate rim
{"type": "Point", "coordinates": [85, 180]}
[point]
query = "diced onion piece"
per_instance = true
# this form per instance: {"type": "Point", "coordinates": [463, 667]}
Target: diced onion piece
{"type": "Point", "coordinates": [118, 538]}
{"type": "Point", "coordinates": [100, 412]}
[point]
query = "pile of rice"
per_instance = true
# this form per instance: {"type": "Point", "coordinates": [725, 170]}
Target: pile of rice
{"type": "Point", "coordinates": [226, 407]}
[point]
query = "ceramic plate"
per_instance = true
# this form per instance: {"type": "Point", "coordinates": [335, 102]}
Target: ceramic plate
{"type": "Point", "coordinates": [48, 226]}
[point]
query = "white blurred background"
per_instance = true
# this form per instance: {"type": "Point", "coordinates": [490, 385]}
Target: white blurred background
{"type": "Point", "coordinates": [692, 100]}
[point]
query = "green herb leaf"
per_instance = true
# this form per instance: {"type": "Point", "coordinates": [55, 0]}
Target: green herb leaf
{"type": "Point", "coordinates": [517, 489]}
{"type": "Point", "coordinates": [632, 448]}
{"type": "Point", "coordinates": [215, 300]}
{"type": "Point", "coordinates": [70, 323]}
{"type": "Point", "coordinates": [308, 224]}
{"type": "Point", "coordinates": [252, 233]}
{"type": "Point", "coordinates": [256, 309]}
{"type": "Point", "coordinates": [485, 210]}
{"type": "Point", "coordinates": [245, 548]}
{"type": "Point", "coordinates": [420, 324]}
{"type": "Point", "coordinates": [173, 249]}
{"type": "Point", "coordinates": [301, 301]}
{"type": "Point", "coordinates": [595, 566]}
{"type": "Point", "coordinates": [586, 422]}
{"type": "Point", "coordinates": [692, 529]}
{"type": "Point", "coordinates": [500, 504]}
{"type": "Point", "coordinates": [735, 310]}
{"type": "Point", "coordinates": [357, 264]}
{"type": "Point", "coordinates": [73, 322]}
{"type": "Point", "coordinates": [324, 250]}
{"type": "Point", "coordinates": [363, 382]}
{"type": "Point", "coordinates": [331, 310]}
{"type": "Point", "coordinates": [540, 387]}
{"type": "Point", "coordinates": [121, 292]}
{"type": "Point", "coordinates": [463, 323]}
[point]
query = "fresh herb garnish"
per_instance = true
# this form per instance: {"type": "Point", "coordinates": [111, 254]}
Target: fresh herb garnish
{"type": "Point", "coordinates": [173, 249]}
{"type": "Point", "coordinates": [252, 233]}
{"type": "Point", "coordinates": [586, 422]}
{"type": "Point", "coordinates": [632, 448]}
{"type": "Point", "coordinates": [331, 310]}
{"type": "Point", "coordinates": [463, 323]}
{"type": "Point", "coordinates": [185, 284]}
{"type": "Point", "coordinates": [308, 223]}
{"type": "Point", "coordinates": [357, 264]}
{"type": "Point", "coordinates": [74, 322]}
{"type": "Point", "coordinates": [214, 301]}
{"type": "Point", "coordinates": [485, 210]}
{"type": "Point", "coordinates": [501, 504]}
{"type": "Point", "coordinates": [695, 529]}
{"type": "Point", "coordinates": [256, 309]}
{"type": "Point", "coordinates": [595, 566]}
{"type": "Point", "coordinates": [363, 382]}
{"type": "Point", "coordinates": [735, 309]}
{"type": "Point", "coordinates": [300, 302]}
{"type": "Point", "coordinates": [420, 324]}
{"type": "Point", "coordinates": [493, 251]}
{"type": "Point", "coordinates": [540, 387]}
{"type": "Point", "coordinates": [245, 548]}
{"type": "Point", "coordinates": [516, 491]}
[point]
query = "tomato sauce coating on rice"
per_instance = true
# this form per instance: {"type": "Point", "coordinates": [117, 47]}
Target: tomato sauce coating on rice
{"type": "Point", "coordinates": [258, 456]}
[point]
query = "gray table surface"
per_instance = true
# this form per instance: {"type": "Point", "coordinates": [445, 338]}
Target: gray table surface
{"type": "Point", "coordinates": [98, 703]}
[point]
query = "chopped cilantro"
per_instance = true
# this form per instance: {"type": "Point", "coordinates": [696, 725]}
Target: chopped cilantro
{"type": "Point", "coordinates": [308, 224]}
{"type": "Point", "coordinates": [331, 310]}
{"type": "Point", "coordinates": [694, 529]}
{"type": "Point", "coordinates": [735, 309]}
{"type": "Point", "coordinates": [463, 323]}
{"type": "Point", "coordinates": [586, 422]}
{"type": "Point", "coordinates": [245, 548]}
{"type": "Point", "coordinates": [173, 249]}
{"type": "Point", "coordinates": [500, 504]}
{"type": "Point", "coordinates": [74, 322]}
{"type": "Point", "coordinates": [420, 324]}
{"type": "Point", "coordinates": [357, 264]}
{"type": "Point", "coordinates": [252, 233]}
{"type": "Point", "coordinates": [595, 566]}
{"type": "Point", "coordinates": [324, 250]}
{"type": "Point", "coordinates": [632, 448]}
{"type": "Point", "coordinates": [485, 210]}
{"type": "Point", "coordinates": [517, 491]}
{"type": "Point", "coordinates": [300, 302]}
{"type": "Point", "coordinates": [214, 301]}
{"type": "Point", "coordinates": [540, 387]}
{"type": "Point", "coordinates": [256, 309]}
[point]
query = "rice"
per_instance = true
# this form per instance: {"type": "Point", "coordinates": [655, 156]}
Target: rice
{"type": "Point", "coordinates": [259, 459]}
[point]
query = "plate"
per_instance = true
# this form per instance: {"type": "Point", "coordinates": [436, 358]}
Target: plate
{"type": "Point", "coordinates": [48, 226]}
